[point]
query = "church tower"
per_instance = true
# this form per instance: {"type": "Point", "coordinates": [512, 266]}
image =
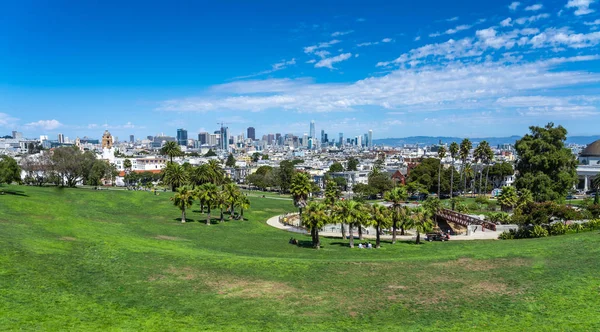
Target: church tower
{"type": "Point", "coordinates": [107, 140]}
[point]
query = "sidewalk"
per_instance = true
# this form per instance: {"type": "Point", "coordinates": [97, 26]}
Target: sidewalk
{"type": "Point", "coordinates": [486, 235]}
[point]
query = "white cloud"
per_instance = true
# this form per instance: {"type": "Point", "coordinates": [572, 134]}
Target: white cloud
{"type": "Point", "coordinates": [583, 6]}
{"type": "Point", "coordinates": [514, 5]}
{"type": "Point", "coordinates": [7, 120]}
{"type": "Point", "coordinates": [534, 8]}
{"type": "Point", "coordinates": [531, 19]}
{"type": "Point", "coordinates": [311, 49]}
{"type": "Point", "coordinates": [452, 19]}
{"type": "Point", "coordinates": [596, 22]}
{"type": "Point", "coordinates": [360, 19]}
{"type": "Point", "coordinates": [417, 38]}
{"type": "Point", "coordinates": [367, 44]}
{"type": "Point", "coordinates": [457, 29]}
{"type": "Point", "coordinates": [506, 22]}
{"type": "Point", "coordinates": [322, 53]}
{"type": "Point", "coordinates": [311, 61]}
{"type": "Point", "coordinates": [386, 40]}
{"type": "Point", "coordinates": [552, 37]}
{"type": "Point", "coordinates": [328, 62]}
{"type": "Point", "coordinates": [274, 67]}
{"type": "Point", "coordinates": [45, 124]}
{"type": "Point", "coordinates": [341, 33]}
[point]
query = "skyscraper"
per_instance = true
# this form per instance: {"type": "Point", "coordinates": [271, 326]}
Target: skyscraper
{"type": "Point", "coordinates": [322, 136]}
{"type": "Point", "coordinates": [182, 137]}
{"type": "Point", "coordinates": [251, 133]}
{"type": "Point", "coordinates": [341, 139]}
{"type": "Point", "coordinates": [61, 138]}
{"type": "Point", "coordinates": [370, 138]}
{"type": "Point", "coordinates": [203, 138]}
{"type": "Point", "coordinates": [312, 129]}
{"type": "Point", "coordinates": [225, 138]}
{"type": "Point", "coordinates": [131, 138]}
{"type": "Point", "coordinates": [305, 140]}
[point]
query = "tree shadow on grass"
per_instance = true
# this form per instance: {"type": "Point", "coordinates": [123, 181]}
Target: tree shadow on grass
{"type": "Point", "coordinates": [187, 220]}
{"type": "Point", "coordinates": [13, 192]}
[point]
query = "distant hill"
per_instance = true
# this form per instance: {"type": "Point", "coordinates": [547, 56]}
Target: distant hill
{"type": "Point", "coordinates": [494, 141]}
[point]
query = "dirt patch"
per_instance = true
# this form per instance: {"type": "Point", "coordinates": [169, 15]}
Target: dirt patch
{"type": "Point", "coordinates": [396, 287]}
{"type": "Point", "coordinates": [251, 288]}
{"type": "Point", "coordinates": [481, 265]}
{"type": "Point", "coordinates": [169, 238]}
{"type": "Point", "coordinates": [184, 273]}
{"type": "Point", "coordinates": [67, 238]}
{"type": "Point", "coordinates": [490, 287]}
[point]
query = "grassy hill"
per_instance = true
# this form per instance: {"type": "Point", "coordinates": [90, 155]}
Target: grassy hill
{"type": "Point", "coordinates": [90, 260]}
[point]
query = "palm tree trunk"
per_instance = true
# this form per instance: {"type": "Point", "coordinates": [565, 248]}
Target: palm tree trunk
{"type": "Point", "coordinates": [418, 237]}
{"type": "Point", "coordinates": [208, 216]}
{"type": "Point", "coordinates": [242, 213]}
{"type": "Point", "coordinates": [231, 212]}
{"type": "Point", "coordinates": [317, 240]}
{"type": "Point", "coordinates": [183, 216]}
{"type": "Point", "coordinates": [394, 228]}
{"type": "Point", "coordinates": [487, 173]}
{"type": "Point", "coordinates": [452, 179]}
{"type": "Point", "coordinates": [351, 235]}
{"type": "Point", "coordinates": [377, 238]}
{"type": "Point", "coordinates": [360, 232]}
{"type": "Point", "coordinates": [343, 231]}
{"type": "Point", "coordinates": [439, 178]}
{"type": "Point", "coordinates": [222, 218]}
{"type": "Point", "coordinates": [480, 181]}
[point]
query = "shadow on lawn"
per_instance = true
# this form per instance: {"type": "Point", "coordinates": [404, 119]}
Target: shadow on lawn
{"type": "Point", "coordinates": [13, 192]}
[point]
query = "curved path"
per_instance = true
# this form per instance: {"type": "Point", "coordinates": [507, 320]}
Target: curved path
{"type": "Point", "coordinates": [486, 235]}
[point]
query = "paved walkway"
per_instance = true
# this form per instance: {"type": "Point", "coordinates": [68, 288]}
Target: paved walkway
{"type": "Point", "coordinates": [486, 235]}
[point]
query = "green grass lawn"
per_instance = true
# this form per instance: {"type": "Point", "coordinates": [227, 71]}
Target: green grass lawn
{"type": "Point", "coordinates": [78, 259]}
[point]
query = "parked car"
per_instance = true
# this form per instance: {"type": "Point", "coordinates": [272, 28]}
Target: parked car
{"type": "Point", "coordinates": [437, 236]}
{"type": "Point", "coordinates": [418, 197]}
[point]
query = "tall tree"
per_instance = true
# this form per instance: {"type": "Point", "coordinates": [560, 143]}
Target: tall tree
{"type": "Point", "coordinates": [382, 217]}
{"type": "Point", "coordinates": [396, 196]}
{"type": "Point", "coordinates": [244, 203]}
{"type": "Point", "coordinates": [300, 188]}
{"type": "Point", "coordinates": [336, 167]}
{"type": "Point", "coordinates": [215, 172]}
{"type": "Point", "coordinates": [174, 175]}
{"type": "Point", "coordinates": [9, 170]}
{"type": "Point", "coordinates": [432, 205]}
{"type": "Point", "coordinates": [348, 212]}
{"type": "Point", "coordinates": [453, 153]}
{"type": "Point", "coordinates": [596, 185]}
{"type": "Point", "coordinates": [171, 149]}
{"type": "Point", "coordinates": [488, 156]}
{"type": "Point", "coordinates": [207, 194]}
{"type": "Point", "coordinates": [441, 155]}
{"type": "Point", "coordinates": [127, 165]}
{"type": "Point", "coordinates": [478, 155]}
{"type": "Point", "coordinates": [316, 217]}
{"type": "Point", "coordinates": [183, 199]}
{"type": "Point", "coordinates": [285, 173]}
{"type": "Point", "coordinates": [230, 161]}
{"type": "Point", "coordinates": [232, 194]}
{"type": "Point", "coordinates": [420, 221]}
{"type": "Point", "coordinates": [69, 164]}
{"type": "Point", "coordinates": [464, 150]}
{"type": "Point", "coordinates": [545, 166]}
{"type": "Point", "coordinates": [525, 197]}
{"type": "Point", "coordinates": [352, 164]}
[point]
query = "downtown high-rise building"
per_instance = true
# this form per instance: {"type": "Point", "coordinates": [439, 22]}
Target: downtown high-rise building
{"type": "Point", "coordinates": [203, 137]}
{"type": "Point", "coordinates": [224, 139]}
{"type": "Point", "coordinates": [131, 139]}
{"type": "Point", "coordinates": [182, 137]}
{"type": "Point", "coordinates": [251, 133]}
{"type": "Point", "coordinates": [370, 139]}
{"type": "Point", "coordinates": [61, 138]}
{"type": "Point", "coordinates": [341, 139]}
{"type": "Point", "coordinates": [311, 133]}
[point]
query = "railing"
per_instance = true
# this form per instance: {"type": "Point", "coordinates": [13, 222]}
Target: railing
{"type": "Point", "coordinates": [464, 220]}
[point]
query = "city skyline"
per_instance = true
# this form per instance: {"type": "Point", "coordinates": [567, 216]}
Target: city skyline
{"type": "Point", "coordinates": [470, 70]}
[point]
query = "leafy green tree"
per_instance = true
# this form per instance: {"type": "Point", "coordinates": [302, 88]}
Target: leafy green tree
{"type": "Point", "coordinates": [397, 197]}
{"type": "Point", "coordinates": [69, 164]}
{"type": "Point", "coordinates": [256, 157]}
{"type": "Point", "coordinates": [174, 175]}
{"type": "Point", "coordinates": [380, 181]}
{"type": "Point", "coordinates": [432, 205]}
{"type": "Point", "coordinates": [300, 188]}
{"type": "Point", "coordinates": [332, 193]}
{"type": "Point", "coordinates": [341, 182]}
{"type": "Point", "coordinates": [171, 149]}
{"type": "Point", "coordinates": [127, 165]}
{"type": "Point", "coordinates": [352, 164]}
{"type": "Point", "coordinates": [348, 212]}
{"type": "Point", "coordinates": [525, 197]}
{"type": "Point", "coordinates": [545, 166]}
{"type": "Point", "coordinates": [207, 194]}
{"type": "Point", "coordinates": [508, 198]}
{"type": "Point", "coordinates": [210, 153]}
{"type": "Point", "coordinates": [364, 191]}
{"type": "Point", "coordinates": [9, 170]}
{"type": "Point", "coordinates": [420, 221]}
{"type": "Point", "coordinates": [596, 185]}
{"type": "Point", "coordinates": [183, 199]}
{"type": "Point", "coordinates": [286, 172]}
{"type": "Point", "coordinates": [230, 161]}
{"type": "Point", "coordinates": [336, 167]}
{"type": "Point", "coordinates": [382, 219]}
{"type": "Point", "coordinates": [216, 174]}
{"type": "Point", "coordinates": [453, 154]}
{"type": "Point", "coordinates": [441, 154]}
{"type": "Point", "coordinates": [316, 217]}
{"type": "Point", "coordinates": [464, 150]}
{"type": "Point", "coordinates": [265, 157]}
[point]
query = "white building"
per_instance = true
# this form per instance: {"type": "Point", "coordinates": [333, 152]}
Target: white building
{"type": "Point", "coordinates": [589, 165]}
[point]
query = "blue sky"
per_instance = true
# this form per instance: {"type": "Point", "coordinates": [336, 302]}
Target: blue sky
{"type": "Point", "coordinates": [462, 68]}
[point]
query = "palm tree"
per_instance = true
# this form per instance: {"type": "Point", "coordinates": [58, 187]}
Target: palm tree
{"type": "Point", "coordinates": [441, 155]}
{"type": "Point", "coordinates": [464, 150]}
{"type": "Point", "coordinates": [183, 198]}
{"type": "Point", "coordinates": [596, 185]}
{"type": "Point", "coordinates": [453, 154]}
{"type": "Point", "coordinates": [469, 174]}
{"type": "Point", "coordinates": [363, 219]}
{"type": "Point", "coordinates": [244, 204]}
{"type": "Point", "coordinates": [231, 193]}
{"type": "Point", "coordinates": [508, 198]}
{"type": "Point", "coordinates": [207, 194]}
{"type": "Point", "coordinates": [382, 218]}
{"type": "Point", "coordinates": [174, 175]}
{"type": "Point", "coordinates": [348, 212]}
{"type": "Point", "coordinates": [396, 196]}
{"type": "Point", "coordinates": [332, 195]}
{"type": "Point", "coordinates": [525, 197]}
{"type": "Point", "coordinates": [316, 217]}
{"type": "Point", "coordinates": [420, 221]}
{"type": "Point", "coordinates": [300, 188]}
{"type": "Point", "coordinates": [478, 155]}
{"type": "Point", "coordinates": [216, 174]}
{"type": "Point", "coordinates": [432, 205]}
{"type": "Point", "coordinates": [488, 158]}
{"type": "Point", "coordinates": [171, 149]}
{"type": "Point", "coordinates": [200, 175]}
{"type": "Point", "coordinates": [221, 203]}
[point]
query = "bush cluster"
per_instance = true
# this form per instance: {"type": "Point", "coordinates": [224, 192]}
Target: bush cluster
{"type": "Point", "coordinates": [553, 229]}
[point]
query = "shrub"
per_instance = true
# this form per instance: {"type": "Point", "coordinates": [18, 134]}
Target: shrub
{"type": "Point", "coordinates": [558, 228]}
{"type": "Point", "coordinates": [538, 231]}
{"type": "Point", "coordinates": [491, 206]}
{"type": "Point", "coordinates": [507, 235]}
